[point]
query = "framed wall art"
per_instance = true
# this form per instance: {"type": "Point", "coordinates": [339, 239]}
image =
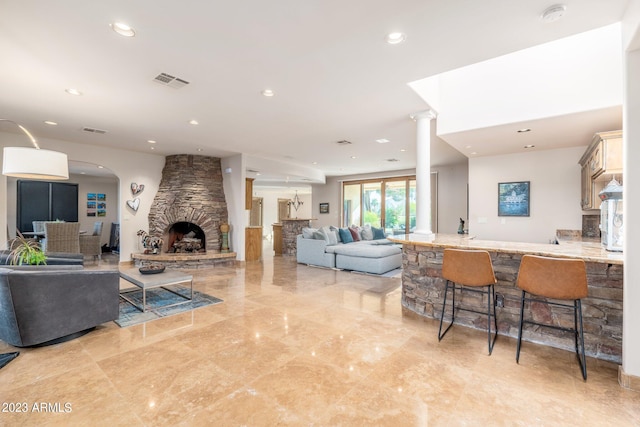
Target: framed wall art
{"type": "Point", "coordinates": [324, 208]}
{"type": "Point", "coordinates": [513, 198]}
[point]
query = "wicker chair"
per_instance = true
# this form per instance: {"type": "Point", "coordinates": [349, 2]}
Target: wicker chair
{"type": "Point", "coordinates": [90, 243]}
{"type": "Point", "coordinates": [61, 237]}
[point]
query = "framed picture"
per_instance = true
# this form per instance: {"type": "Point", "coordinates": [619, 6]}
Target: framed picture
{"type": "Point", "coordinates": [513, 198]}
{"type": "Point", "coordinates": [324, 208]}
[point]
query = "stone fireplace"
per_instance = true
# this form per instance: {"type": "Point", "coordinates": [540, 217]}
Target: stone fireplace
{"type": "Point", "coordinates": [190, 205]}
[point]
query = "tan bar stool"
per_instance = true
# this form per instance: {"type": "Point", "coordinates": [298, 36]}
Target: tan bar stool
{"type": "Point", "coordinates": [471, 269]}
{"type": "Point", "coordinates": [557, 279]}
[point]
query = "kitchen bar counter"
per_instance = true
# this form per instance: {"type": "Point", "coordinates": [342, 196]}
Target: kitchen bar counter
{"type": "Point", "coordinates": [423, 288]}
{"type": "Point", "coordinates": [586, 249]}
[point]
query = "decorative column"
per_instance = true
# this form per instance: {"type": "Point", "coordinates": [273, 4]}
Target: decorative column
{"type": "Point", "coordinates": [423, 171]}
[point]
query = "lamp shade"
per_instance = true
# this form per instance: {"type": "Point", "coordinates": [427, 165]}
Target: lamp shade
{"type": "Point", "coordinates": [31, 163]}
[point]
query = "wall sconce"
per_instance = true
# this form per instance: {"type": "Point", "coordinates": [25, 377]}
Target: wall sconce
{"type": "Point", "coordinates": [33, 163]}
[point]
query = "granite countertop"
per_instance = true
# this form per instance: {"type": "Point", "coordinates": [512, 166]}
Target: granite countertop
{"type": "Point", "coordinates": [587, 249]}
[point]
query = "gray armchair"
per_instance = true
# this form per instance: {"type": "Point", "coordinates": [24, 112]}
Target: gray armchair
{"type": "Point", "coordinates": [90, 243]}
{"type": "Point", "coordinates": [61, 237]}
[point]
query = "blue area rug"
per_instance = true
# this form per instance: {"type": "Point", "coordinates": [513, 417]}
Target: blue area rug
{"type": "Point", "coordinates": [158, 298]}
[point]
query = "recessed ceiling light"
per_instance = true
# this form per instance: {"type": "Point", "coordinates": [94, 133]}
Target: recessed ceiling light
{"type": "Point", "coordinates": [199, 150]}
{"type": "Point", "coordinates": [268, 92]}
{"type": "Point", "coordinates": [395, 38]}
{"type": "Point", "coordinates": [524, 130]}
{"type": "Point", "coordinates": [314, 163]}
{"type": "Point", "coordinates": [123, 29]}
{"type": "Point", "coordinates": [468, 146]}
{"type": "Point", "coordinates": [382, 140]}
{"type": "Point", "coordinates": [193, 122]}
{"type": "Point", "coordinates": [151, 141]}
{"type": "Point", "coordinates": [553, 13]}
{"type": "Point", "coordinates": [529, 146]}
{"type": "Point", "coordinates": [50, 123]}
{"type": "Point", "coordinates": [353, 157]}
{"type": "Point", "coordinates": [100, 167]}
{"type": "Point", "coordinates": [72, 91]}
{"type": "Point", "coordinates": [153, 148]}
{"type": "Point", "coordinates": [473, 153]}
{"type": "Point", "coordinates": [402, 150]}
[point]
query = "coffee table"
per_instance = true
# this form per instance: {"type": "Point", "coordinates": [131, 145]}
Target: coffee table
{"type": "Point", "coordinates": [149, 281]}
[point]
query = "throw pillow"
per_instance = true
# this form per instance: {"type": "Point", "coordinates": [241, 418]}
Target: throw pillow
{"type": "Point", "coordinates": [307, 232]}
{"type": "Point", "coordinates": [332, 239]}
{"type": "Point", "coordinates": [337, 231]}
{"type": "Point", "coordinates": [345, 235]}
{"type": "Point", "coordinates": [319, 235]}
{"type": "Point", "coordinates": [354, 234]}
{"type": "Point", "coordinates": [366, 232]}
{"type": "Point", "coordinates": [378, 233]}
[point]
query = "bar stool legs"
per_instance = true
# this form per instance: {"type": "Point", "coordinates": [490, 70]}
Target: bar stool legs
{"type": "Point", "coordinates": [577, 330]}
{"type": "Point", "coordinates": [491, 311]}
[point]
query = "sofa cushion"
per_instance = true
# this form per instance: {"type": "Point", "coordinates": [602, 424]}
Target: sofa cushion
{"type": "Point", "coordinates": [331, 237]}
{"type": "Point", "coordinates": [345, 235]}
{"type": "Point", "coordinates": [318, 235]}
{"type": "Point", "coordinates": [378, 233]}
{"type": "Point", "coordinates": [367, 251]}
{"type": "Point", "coordinates": [337, 231]}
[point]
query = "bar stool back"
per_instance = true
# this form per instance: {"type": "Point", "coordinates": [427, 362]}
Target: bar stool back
{"type": "Point", "coordinates": [471, 269]}
{"type": "Point", "coordinates": [557, 279]}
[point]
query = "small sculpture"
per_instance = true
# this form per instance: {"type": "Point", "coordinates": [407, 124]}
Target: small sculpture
{"type": "Point", "coordinates": [461, 227]}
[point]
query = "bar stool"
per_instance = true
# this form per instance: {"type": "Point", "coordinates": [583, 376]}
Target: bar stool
{"type": "Point", "coordinates": [557, 279]}
{"type": "Point", "coordinates": [471, 269]}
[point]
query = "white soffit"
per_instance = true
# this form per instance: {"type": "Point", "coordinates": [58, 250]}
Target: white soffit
{"type": "Point", "coordinates": [563, 77]}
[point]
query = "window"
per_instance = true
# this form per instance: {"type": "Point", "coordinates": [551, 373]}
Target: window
{"type": "Point", "coordinates": [386, 202]}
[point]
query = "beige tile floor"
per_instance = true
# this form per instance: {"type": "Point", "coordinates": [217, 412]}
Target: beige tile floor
{"type": "Point", "coordinates": [296, 345]}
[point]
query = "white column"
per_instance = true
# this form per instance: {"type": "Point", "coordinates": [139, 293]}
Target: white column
{"type": "Point", "coordinates": [423, 171]}
{"type": "Point", "coordinates": [630, 375]}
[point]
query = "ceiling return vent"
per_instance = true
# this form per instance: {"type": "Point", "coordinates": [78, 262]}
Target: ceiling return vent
{"type": "Point", "coordinates": [343, 142]}
{"type": "Point", "coordinates": [169, 80]}
{"type": "Point", "coordinates": [93, 130]}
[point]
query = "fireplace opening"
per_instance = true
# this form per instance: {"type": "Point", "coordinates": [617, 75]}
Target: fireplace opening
{"type": "Point", "coordinates": [185, 237]}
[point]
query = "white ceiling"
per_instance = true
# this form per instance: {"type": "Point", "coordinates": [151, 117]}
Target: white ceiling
{"type": "Point", "coordinates": [334, 76]}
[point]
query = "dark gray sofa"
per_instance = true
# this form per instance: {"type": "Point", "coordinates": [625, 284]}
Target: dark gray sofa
{"type": "Point", "coordinates": [41, 305]}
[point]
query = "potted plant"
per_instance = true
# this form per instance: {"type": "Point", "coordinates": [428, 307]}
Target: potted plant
{"type": "Point", "coordinates": [26, 252]}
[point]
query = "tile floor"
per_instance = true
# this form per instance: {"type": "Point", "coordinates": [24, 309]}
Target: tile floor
{"type": "Point", "coordinates": [301, 346]}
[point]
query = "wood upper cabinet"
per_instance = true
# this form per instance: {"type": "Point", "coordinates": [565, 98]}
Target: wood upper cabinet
{"type": "Point", "coordinates": [601, 162]}
{"type": "Point", "coordinates": [248, 193]}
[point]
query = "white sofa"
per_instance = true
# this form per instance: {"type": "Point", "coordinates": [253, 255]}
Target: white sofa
{"type": "Point", "coordinates": [367, 255]}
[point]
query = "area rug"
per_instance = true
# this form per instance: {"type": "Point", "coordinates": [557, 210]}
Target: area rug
{"type": "Point", "coordinates": [157, 299]}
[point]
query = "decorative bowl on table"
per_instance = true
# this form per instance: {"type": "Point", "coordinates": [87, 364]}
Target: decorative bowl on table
{"type": "Point", "coordinates": [152, 269]}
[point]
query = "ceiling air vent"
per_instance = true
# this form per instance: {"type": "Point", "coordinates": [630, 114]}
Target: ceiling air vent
{"type": "Point", "coordinates": [93, 130]}
{"type": "Point", "coordinates": [343, 142]}
{"type": "Point", "coordinates": [392, 160]}
{"type": "Point", "coordinates": [169, 80]}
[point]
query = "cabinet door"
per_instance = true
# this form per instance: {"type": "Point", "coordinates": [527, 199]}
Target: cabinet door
{"type": "Point", "coordinates": [586, 185]}
{"type": "Point", "coordinates": [596, 162]}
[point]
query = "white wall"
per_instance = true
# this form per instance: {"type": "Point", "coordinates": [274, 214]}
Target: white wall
{"type": "Point", "coordinates": [86, 184]}
{"type": "Point", "coordinates": [554, 201]}
{"type": "Point", "coordinates": [234, 185]}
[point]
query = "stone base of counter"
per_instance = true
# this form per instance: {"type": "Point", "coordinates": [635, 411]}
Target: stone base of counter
{"type": "Point", "coordinates": [423, 289]}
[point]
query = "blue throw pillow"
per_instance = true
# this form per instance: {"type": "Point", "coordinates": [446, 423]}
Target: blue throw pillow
{"type": "Point", "coordinates": [345, 235]}
{"type": "Point", "coordinates": [378, 233]}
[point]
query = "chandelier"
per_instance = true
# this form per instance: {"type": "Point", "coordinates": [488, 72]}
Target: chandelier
{"type": "Point", "coordinates": [296, 202]}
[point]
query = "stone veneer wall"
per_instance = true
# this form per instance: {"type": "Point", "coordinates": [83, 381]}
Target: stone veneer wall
{"type": "Point", "coordinates": [290, 230]}
{"type": "Point", "coordinates": [190, 190]}
{"type": "Point", "coordinates": [423, 289]}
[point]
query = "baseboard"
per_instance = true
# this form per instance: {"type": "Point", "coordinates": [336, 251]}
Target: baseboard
{"type": "Point", "coordinates": [628, 381]}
